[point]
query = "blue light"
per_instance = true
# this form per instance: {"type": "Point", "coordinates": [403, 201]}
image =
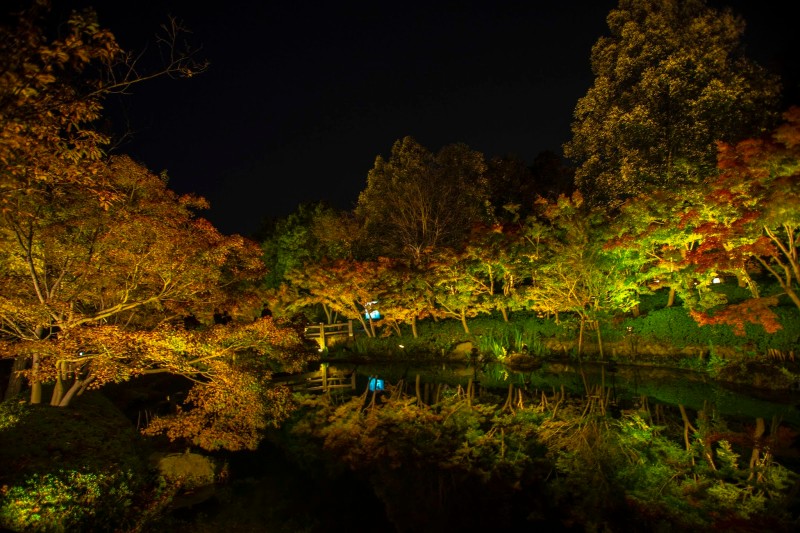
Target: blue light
{"type": "Point", "coordinates": [374, 315]}
{"type": "Point", "coordinates": [375, 384]}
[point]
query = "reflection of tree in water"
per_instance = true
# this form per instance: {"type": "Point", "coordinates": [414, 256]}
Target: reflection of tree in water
{"type": "Point", "coordinates": [551, 458]}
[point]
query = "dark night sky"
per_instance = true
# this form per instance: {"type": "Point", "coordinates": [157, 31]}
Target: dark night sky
{"type": "Point", "coordinates": [301, 96]}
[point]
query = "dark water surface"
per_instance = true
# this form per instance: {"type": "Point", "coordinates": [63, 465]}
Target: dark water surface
{"type": "Point", "coordinates": [270, 492]}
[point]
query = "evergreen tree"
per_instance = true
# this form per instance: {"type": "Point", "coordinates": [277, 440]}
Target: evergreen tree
{"type": "Point", "coordinates": [671, 81]}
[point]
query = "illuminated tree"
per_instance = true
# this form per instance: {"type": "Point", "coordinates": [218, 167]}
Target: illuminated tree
{"type": "Point", "coordinates": [343, 286]}
{"type": "Point", "coordinates": [406, 296]}
{"type": "Point", "coordinates": [99, 260]}
{"type": "Point", "coordinates": [653, 235]}
{"type": "Point", "coordinates": [568, 270]}
{"type": "Point", "coordinates": [493, 263]}
{"type": "Point", "coordinates": [52, 89]}
{"type": "Point", "coordinates": [417, 201]}
{"type": "Point", "coordinates": [459, 286]}
{"type": "Point", "coordinates": [138, 261]}
{"type": "Point", "coordinates": [752, 209]}
{"type": "Point", "coordinates": [670, 81]}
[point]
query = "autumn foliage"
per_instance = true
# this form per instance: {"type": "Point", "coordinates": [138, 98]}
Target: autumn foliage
{"type": "Point", "coordinates": [102, 262]}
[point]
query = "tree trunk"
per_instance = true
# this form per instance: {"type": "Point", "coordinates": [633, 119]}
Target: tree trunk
{"type": "Point", "coordinates": [364, 325]}
{"type": "Point", "coordinates": [414, 326]}
{"type": "Point", "coordinates": [599, 339]}
{"type": "Point", "coordinates": [58, 392]}
{"type": "Point", "coordinates": [671, 299]}
{"type": "Point", "coordinates": [464, 320]}
{"type": "Point", "coordinates": [758, 433]}
{"type": "Point", "coordinates": [504, 312]}
{"type": "Point", "coordinates": [15, 379]}
{"type": "Point", "coordinates": [36, 386]}
{"type": "Point", "coordinates": [77, 388]}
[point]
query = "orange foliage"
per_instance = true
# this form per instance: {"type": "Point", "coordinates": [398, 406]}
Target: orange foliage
{"type": "Point", "coordinates": [753, 311]}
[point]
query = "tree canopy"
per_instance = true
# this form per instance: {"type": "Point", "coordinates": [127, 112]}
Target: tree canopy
{"type": "Point", "coordinates": [671, 80]}
{"type": "Point", "coordinates": [417, 201]}
{"type": "Point", "coordinates": [100, 262]}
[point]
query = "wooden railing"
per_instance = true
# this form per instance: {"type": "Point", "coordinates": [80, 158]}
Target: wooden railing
{"type": "Point", "coordinates": [323, 332]}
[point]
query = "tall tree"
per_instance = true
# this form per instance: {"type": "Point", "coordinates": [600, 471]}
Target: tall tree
{"type": "Point", "coordinates": [417, 201]}
{"type": "Point", "coordinates": [671, 80]}
{"type": "Point", "coordinates": [99, 259]}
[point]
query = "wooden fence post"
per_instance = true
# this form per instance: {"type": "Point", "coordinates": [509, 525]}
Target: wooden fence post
{"type": "Point", "coordinates": [322, 342]}
{"type": "Point", "coordinates": [350, 328]}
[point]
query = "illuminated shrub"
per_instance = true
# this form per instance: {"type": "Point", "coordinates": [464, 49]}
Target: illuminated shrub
{"type": "Point", "coordinates": [67, 501]}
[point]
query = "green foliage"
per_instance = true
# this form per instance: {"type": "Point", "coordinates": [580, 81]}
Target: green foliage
{"type": "Point", "coordinates": [73, 469]}
{"type": "Point", "coordinates": [670, 81]}
{"type": "Point", "coordinates": [12, 412]}
{"type": "Point", "coordinates": [675, 326]}
{"type": "Point", "coordinates": [68, 500]}
{"type": "Point", "coordinates": [417, 201]}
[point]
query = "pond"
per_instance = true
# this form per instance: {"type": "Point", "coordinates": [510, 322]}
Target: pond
{"type": "Point", "coordinates": [627, 383]}
{"type": "Point", "coordinates": [274, 488]}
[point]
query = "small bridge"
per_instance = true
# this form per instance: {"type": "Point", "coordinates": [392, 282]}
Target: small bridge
{"type": "Point", "coordinates": [322, 332]}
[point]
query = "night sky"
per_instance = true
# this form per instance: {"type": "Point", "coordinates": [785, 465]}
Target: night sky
{"type": "Point", "coordinates": [300, 97]}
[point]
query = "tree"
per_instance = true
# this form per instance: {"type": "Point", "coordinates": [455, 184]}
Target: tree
{"type": "Point", "coordinates": [99, 259]}
{"type": "Point", "coordinates": [405, 296]}
{"type": "Point", "coordinates": [751, 211]}
{"type": "Point", "coordinates": [417, 201]}
{"type": "Point", "coordinates": [342, 286]}
{"type": "Point", "coordinates": [51, 91]}
{"type": "Point", "coordinates": [313, 232]}
{"type": "Point", "coordinates": [653, 234]}
{"type": "Point", "coordinates": [569, 270]}
{"type": "Point", "coordinates": [460, 286]}
{"type": "Point", "coordinates": [141, 260]}
{"type": "Point", "coordinates": [670, 81]}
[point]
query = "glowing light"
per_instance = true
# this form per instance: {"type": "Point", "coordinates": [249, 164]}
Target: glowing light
{"type": "Point", "coordinates": [716, 280]}
{"type": "Point", "coordinates": [373, 314]}
{"type": "Point", "coordinates": [375, 384]}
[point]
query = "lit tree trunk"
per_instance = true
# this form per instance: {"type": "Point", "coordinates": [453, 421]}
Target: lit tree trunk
{"type": "Point", "coordinates": [504, 312]}
{"type": "Point", "coordinates": [784, 281]}
{"type": "Point", "coordinates": [367, 330]}
{"type": "Point", "coordinates": [58, 390]}
{"type": "Point", "coordinates": [77, 388]}
{"type": "Point", "coordinates": [36, 386]}
{"type": "Point", "coordinates": [599, 339]}
{"type": "Point", "coordinates": [464, 320]}
{"type": "Point", "coordinates": [414, 326]}
{"type": "Point", "coordinates": [671, 299]}
{"type": "Point", "coordinates": [758, 433]}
